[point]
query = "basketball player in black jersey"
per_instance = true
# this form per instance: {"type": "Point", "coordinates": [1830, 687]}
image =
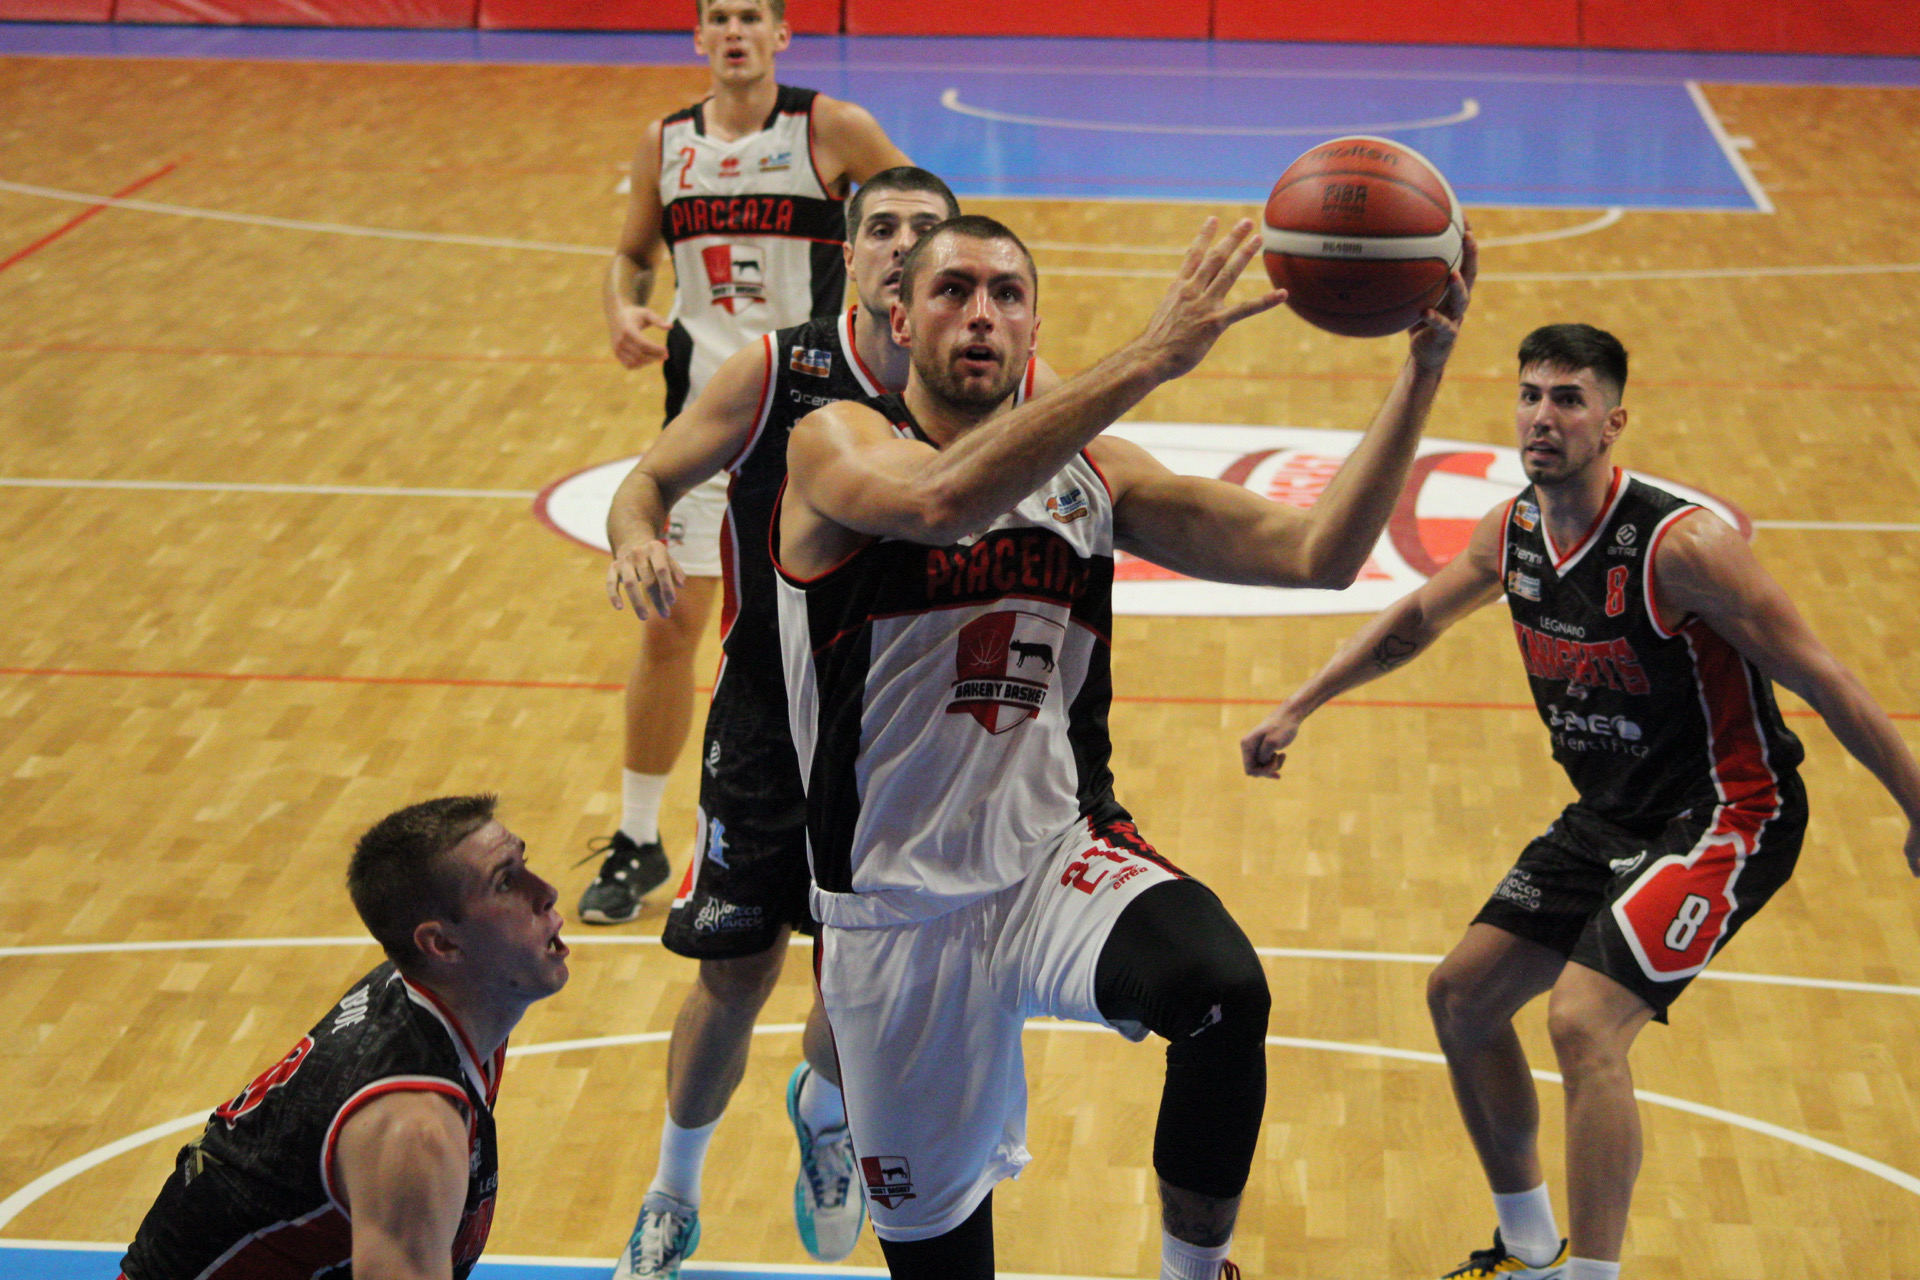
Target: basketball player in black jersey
{"type": "Point", "coordinates": [745, 887]}
{"type": "Point", "coordinates": [369, 1148]}
{"type": "Point", "coordinates": [1651, 637]}
{"type": "Point", "coordinates": [744, 191]}
{"type": "Point", "coordinates": [952, 530]}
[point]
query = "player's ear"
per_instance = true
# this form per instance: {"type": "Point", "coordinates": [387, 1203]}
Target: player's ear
{"type": "Point", "coordinates": [1616, 424]}
{"type": "Point", "coordinates": [434, 942]}
{"type": "Point", "coordinates": [782, 36]}
{"type": "Point", "coordinates": [902, 327]}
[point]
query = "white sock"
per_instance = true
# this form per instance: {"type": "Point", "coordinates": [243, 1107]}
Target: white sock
{"type": "Point", "coordinates": [1588, 1269]}
{"type": "Point", "coordinates": [683, 1154]}
{"type": "Point", "coordinates": [821, 1104]}
{"type": "Point", "coordinates": [640, 805]}
{"type": "Point", "coordinates": [1526, 1225]}
{"type": "Point", "coordinates": [1182, 1261]}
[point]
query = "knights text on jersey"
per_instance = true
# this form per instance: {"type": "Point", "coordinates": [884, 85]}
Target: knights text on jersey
{"type": "Point", "coordinates": [253, 1197]}
{"type": "Point", "coordinates": [1647, 722]}
{"type": "Point", "coordinates": [949, 704]}
{"type": "Point", "coordinates": [754, 233]}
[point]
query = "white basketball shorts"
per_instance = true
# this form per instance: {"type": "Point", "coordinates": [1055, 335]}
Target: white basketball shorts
{"type": "Point", "coordinates": [693, 527]}
{"type": "Point", "coordinates": [927, 1020]}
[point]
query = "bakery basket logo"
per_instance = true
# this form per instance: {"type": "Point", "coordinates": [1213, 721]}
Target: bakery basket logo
{"type": "Point", "coordinates": [1450, 486]}
{"type": "Point", "coordinates": [734, 278]}
{"type": "Point", "coordinates": [889, 1179]}
{"type": "Point", "coordinates": [1000, 666]}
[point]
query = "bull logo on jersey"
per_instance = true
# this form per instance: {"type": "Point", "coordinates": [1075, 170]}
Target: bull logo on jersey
{"type": "Point", "coordinates": [889, 1179]}
{"type": "Point", "coordinates": [734, 277]}
{"type": "Point", "coordinates": [1000, 665]}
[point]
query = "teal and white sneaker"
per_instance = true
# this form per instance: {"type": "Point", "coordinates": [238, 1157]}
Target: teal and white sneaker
{"type": "Point", "coordinates": [829, 1204]}
{"type": "Point", "coordinates": [664, 1235]}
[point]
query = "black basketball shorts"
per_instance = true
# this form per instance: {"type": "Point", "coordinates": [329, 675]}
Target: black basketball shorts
{"type": "Point", "coordinates": [747, 877]}
{"type": "Point", "coordinates": [1649, 911]}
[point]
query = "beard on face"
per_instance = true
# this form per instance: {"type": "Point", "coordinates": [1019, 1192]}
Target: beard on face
{"type": "Point", "coordinates": [937, 375]}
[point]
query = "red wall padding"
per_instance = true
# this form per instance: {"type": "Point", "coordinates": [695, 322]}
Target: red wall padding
{"type": "Point", "coordinates": [56, 10]}
{"type": "Point", "coordinates": [1174, 19]}
{"type": "Point", "coordinates": [1754, 26]}
{"type": "Point", "coordinates": [302, 13]}
{"type": "Point", "coordinates": [806, 17]}
{"type": "Point", "coordinates": [1512, 22]}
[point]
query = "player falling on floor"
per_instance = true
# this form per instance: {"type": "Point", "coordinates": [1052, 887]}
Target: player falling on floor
{"type": "Point", "coordinates": [746, 191]}
{"type": "Point", "coordinates": [1651, 637]}
{"type": "Point", "coordinates": [368, 1150]}
{"type": "Point", "coordinates": [945, 563]}
{"type": "Point", "coordinates": [746, 882]}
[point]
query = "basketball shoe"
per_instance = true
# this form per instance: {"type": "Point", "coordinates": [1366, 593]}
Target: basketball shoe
{"type": "Point", "coordinates": [829, 1204]}
{"type": "Point", "coordinates": [1497, 1261]}
{"type": "Point", "coordinates": [664, 1236]}
{"type": "Point", "coordinates": [629, 872]}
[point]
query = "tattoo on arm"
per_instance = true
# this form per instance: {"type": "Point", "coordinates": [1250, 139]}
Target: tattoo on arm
{"type": "Point", "coordinates": [1393, 651]}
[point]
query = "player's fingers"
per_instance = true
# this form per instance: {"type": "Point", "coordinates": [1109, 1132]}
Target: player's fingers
{"type": "Point", "coordinates": [1218, 271]}
{"type": "Point", "coordinates": [1469, 257]}
{"type": "Point", "coordinates": [1197, 250]}
{"type": "Point", "coordinates": [1265, 302]}
{"type": "Point", "coordinates": [1245, 243]}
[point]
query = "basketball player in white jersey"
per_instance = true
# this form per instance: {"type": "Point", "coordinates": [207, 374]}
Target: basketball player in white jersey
{"type": "Point", "coordinates": [945, 597]}
{"type": "Point", "coordinates": [745, 188]}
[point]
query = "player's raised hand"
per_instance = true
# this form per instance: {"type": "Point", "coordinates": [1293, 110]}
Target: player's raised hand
{"type": "Point", "coordinates": [1196, 311]}
{"type": "Point", "coordinates": [646, 574]}
{"type": "Point", "coordinates": [631, 345]}
{"type": "Point", "coordinates": [1432, 337]}
{"type": "Point", "coordinates": [1263, 751]}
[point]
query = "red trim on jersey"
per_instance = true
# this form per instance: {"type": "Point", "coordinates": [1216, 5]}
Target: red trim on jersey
{"type": "Point", "coordinates": [1506, 523]}
{"type": "Point", "coordinates": [1646, 574]}
{"type": "Point", "coordinates": [773, 546]}
{"type": "Point", "coordinates": [1614, 492]}
{"type": "Point", "coordinates": [380, 1088]}
{"type": "Point", "coordinates": [314, 1242]}
{"type": "Point", "coordinates": [1026, 383]}
{"type": "Point", "coordinates": [1104, 482]}
{"type": "Point", "coordinates": [1742, 774]}
{"type": "Point", "coordinates": [489, 1081]}
{"type": "Point", "coordinates": [869, 381]}
{"type": "Point", "coordinates": [760, 408]}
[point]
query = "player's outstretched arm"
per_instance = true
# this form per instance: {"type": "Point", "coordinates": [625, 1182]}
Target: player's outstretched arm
{"type": "Point", "coordinates": [1703, 567]}
{"type": "Point", "coordinates": [1393, 638]}
{"type": "Point", "coordinates": [846, 473]}
{"type": "Point", "coordinates": [628, 283]}
{"type": "Point", "coordinates": [1207, 528]}
{"type": "Point", "coordinates": [704, 439]}
{"type": "Point", "coordinates": [846, 135]}
{"type": "Point", "coordinates": [402, 1162]}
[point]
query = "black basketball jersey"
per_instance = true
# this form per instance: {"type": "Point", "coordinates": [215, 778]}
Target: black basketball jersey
{"type": "Point", "coordinates": [808, 366]}
{"type": "Point", "coordinates": [253, 1197]}
{"type": "Point", "coordinates": [1647, 722]}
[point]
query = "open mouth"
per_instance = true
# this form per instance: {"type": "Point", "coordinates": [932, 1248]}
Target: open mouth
{"type": "Point", "coordinates": [980, 354]}
{"type": "Point", "coordinates": [557, 948]}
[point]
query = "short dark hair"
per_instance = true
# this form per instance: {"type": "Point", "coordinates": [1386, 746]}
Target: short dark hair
{"type": "Point", "coordinates": [1574, 347]}
{"type": "Point", "coordinates": [777, 8]}
{"type": "Point", "coordinates": [902, 177]}
{"type": "Point", "coordinates": [398, 877]}
{"type": "Point", "coordinates": [972, 226]}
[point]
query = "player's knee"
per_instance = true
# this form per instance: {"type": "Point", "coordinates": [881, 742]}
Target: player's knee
{"type": "Point", "coordinates": [1456, 1002]}
{"type": "Point", "coordinates": [1221, 988]}
{"type": "Point", "coordinates": [743, 982]}
{"type": "Point", "coordinates": [1584, 1045]}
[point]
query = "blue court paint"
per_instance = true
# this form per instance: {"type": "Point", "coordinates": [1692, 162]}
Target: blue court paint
{"type": "Point", "coordinates": [1030, 118]}
{"type": "Point", "coordinates": [100, 1262]}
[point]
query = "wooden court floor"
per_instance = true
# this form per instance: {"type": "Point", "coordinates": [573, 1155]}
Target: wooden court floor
{"type": "Point", "coordinates": [206, 693]}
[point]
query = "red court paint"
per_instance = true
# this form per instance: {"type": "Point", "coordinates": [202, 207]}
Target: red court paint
{"type": "Point", "coordinates": [86, 213]}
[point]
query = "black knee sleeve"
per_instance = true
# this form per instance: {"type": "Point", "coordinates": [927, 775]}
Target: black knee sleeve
{"type": "Point", "coordinates": [1178, 964]}
{"type": "Point", "coordinates": [964, 1253]}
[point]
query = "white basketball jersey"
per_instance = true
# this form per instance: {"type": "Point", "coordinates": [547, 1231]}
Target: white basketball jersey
{"type": "Point", "coordinates": [755, 235]}
{"type": "Point", "coordinates": [949, 704]}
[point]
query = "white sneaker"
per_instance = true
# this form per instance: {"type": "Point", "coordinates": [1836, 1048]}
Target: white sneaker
{"type": "Point", "coordinates": [664, 1235]}
{"type": "Point", "coordinates": [829, 1204]}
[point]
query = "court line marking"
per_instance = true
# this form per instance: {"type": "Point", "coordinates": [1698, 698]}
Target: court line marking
{"type": "Point", "coordinates": [17, 1203]}
{"type": "Point", "coordinates": [1606, 219]}
{"type": "Point", "coordinates": [492, 242]}
{"type": "Point", "coordinates": [1732, 148]}
{"type": "Point", "coordinates": [78, 218]}
{"type": "Point", "coordinates": [650, 940]}
{"type": "Point", "coordinates": [950, 99]}
{"type": "Point", "coordinates": [527, 495]}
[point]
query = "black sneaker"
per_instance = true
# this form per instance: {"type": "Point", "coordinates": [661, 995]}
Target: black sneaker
{"type": "Point", "coordinates": [629, 872]}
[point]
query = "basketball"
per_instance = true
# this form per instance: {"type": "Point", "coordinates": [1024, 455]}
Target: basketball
{"type": "Point", "coordinates": [1362, 233]}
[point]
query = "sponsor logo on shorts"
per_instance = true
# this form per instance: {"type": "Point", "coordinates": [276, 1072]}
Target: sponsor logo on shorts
{"type": "Point", "coordinates": [1519, 889]}
{"type": "Point", "coordinates": [889, 1179]}
{"type": "Point", "coordinates": [676, 533]}
{"type": "Point", "coordinates": [716, 916]}
{"type": "Point", "coordinates": [1621, 866]}
{"type": "Point", "coordinates": [713, 842]}
{"type": "Point", "coordinates": [713, 758]}
{"type": "Point", "coordinates": [1524, 585]}
{"type": "Point", "coordinates": [811, 361]}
